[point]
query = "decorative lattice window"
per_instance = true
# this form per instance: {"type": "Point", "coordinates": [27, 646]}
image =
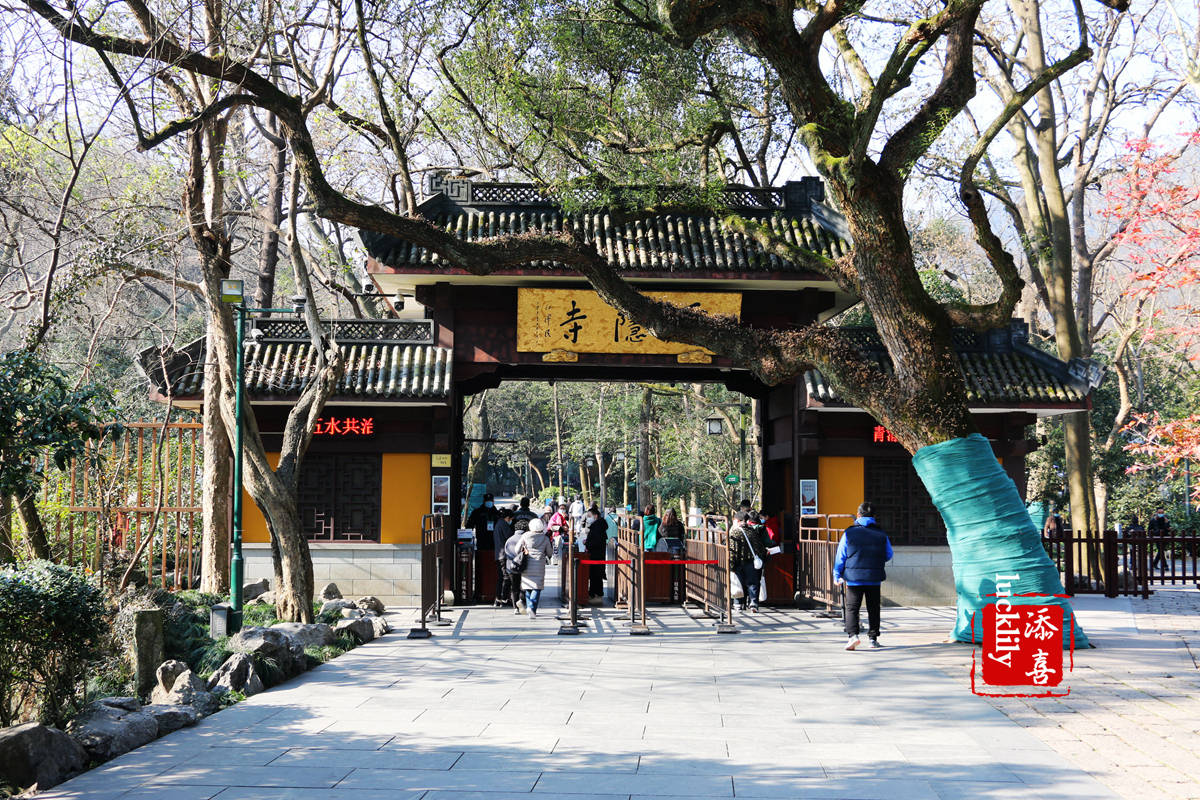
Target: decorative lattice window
{"type": "Point", "coordinates": [340, 497]}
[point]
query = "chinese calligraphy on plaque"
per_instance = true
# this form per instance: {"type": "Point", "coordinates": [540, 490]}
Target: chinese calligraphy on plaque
{"type": "Point", "coordinates": [577, 320]}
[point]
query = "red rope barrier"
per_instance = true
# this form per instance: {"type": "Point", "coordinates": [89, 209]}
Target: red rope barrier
{"type": "Point", "coordinates": [685, 561]}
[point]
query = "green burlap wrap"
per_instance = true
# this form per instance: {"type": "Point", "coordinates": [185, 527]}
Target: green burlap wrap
{"type": "Point", "coordinates": [989, 531]}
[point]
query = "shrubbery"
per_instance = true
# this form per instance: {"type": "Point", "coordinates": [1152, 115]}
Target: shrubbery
{"type": "Point", "coordinates": [52, 627]}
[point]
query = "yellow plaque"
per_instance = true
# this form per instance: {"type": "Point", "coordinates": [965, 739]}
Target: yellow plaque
{"type": "Point", "coordinates": [440, 459]}
{"type": "Point", "coordinates": [578, 321]}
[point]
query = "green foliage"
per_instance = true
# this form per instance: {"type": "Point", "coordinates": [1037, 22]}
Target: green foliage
{"type": "Point", "coordinates": [198, 601]}
{"type": "Point", "coordinates": [53, 628]}
{"type": "Point", "coordinates": [319, 655]}
{"type": "Point", "coordinates": [40, 414]}
{"type": "Point", "coordinates": [212, 657]}
{"type": "Point", "coordinates": [259, 615]}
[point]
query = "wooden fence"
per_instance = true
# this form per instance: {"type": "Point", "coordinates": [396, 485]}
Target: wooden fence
{"type": "Point", "coordinates": [1114, 564]}
{"type": "Point", "coordinates": [134, 497]}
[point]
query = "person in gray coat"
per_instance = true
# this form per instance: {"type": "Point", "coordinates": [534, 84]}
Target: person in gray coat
{"type": "Point", "coordinates": [538, 550]}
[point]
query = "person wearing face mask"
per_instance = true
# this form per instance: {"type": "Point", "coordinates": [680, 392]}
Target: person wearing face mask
{"type": "Point", "coordinates": [1159, 526]}
{"type": "Point", "coordinates": [596, 544]}
{"type": "Point", "coordinates": [484, 520]}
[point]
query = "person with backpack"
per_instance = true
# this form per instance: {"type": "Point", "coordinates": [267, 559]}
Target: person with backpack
{"type": "Point", "coordinates": [500, 535]}
{"type": "Point", "coordinates": [512, 550]}
{"type": "Point", "coordinates": [861, 554]}
{"type": "Point", "coordinates": [534, 553]}
{"type": "Point", "coordinates": [650, 523]}
{"type": "Point", "coordinates": [747, 556]}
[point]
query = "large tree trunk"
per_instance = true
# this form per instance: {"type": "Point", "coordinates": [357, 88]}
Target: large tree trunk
{"type": "Point", "coordinates": [216, 490]}
{"type": "Point", "coordinates": [294, 585]}
{"type": "Point", "coordinates": [272, 213]}
{"type": "Point", "coordinates": [562, 489]}
{"type": "Point", "coordinates": [7, 555]}
{"type": "Point", "coordinates": [601, 473]}
{"type": "Point", "coordinates": [35, 531]}
{"type": "Point", "coordinates": [643, 469]}
{"type": "Point", "coordinates": [988, 528]}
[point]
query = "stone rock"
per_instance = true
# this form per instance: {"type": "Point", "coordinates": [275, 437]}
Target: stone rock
{"type": "Point", "coordinates": [34, 754]}
{"type": "Point", "coordinates": [107, 731]}
{"type": "Point", "coordinates": [183, 689]}
{"type": "Point", "coordinates": [279, 647]}
{"type": "Point", "coordinates": [124, 703]}
{"type": "Point", "coordinates": [250, 591]}
{"type": "Point", "coordinates": [380, 626]}
{"type": "Point", "coordinates": [335, 606]}
{"type": "Point", "coordinates": [353, 613]}
{"type": "Point", "coordinates": [148, 645]}
{"type": "Point", "coordinates": [331, 592]}
{"type": "Point", "coordinates": [316, 634]}
{"type": "Point", "coordinates": [171, 718]}
{"type": "Point", "coordinates": [371, 604]}
{"type": "Point", "coordinates": [360, 629]}
{"type": "Point", "coordinates": [168, 672]}
{"type": "Point", "coordinates": [237, 674]}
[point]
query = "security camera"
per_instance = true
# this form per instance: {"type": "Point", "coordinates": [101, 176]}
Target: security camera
{"type": "Point", "coordinates": [398, 301]}
{"type": "Point", "coordinates": [256, 336]}
{"type": "Point", "coordinates": [299, 301]}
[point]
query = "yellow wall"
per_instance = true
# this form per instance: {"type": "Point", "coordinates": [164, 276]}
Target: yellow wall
{"type": "Point", "coordinates": [254, 524]}
{"type": "Point", "coordinates": [839, 484]}
{"type": "Point", "coordinates": [406, 498]}
{"type": "Point", "coordinates": [407, 495]}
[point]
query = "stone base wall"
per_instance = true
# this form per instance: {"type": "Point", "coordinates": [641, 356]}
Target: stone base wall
{"type": "Point", "coordinates": [919, 576]}
{"type": "Point", "coordinates": [391, 572]}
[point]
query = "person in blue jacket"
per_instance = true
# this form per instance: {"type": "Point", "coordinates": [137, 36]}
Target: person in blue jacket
{"type": "Point", "coordinates": [861, 554]}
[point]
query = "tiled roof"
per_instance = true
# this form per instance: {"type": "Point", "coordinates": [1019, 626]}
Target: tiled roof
{"type": "Point", "coordinates": [281, 366]}
{"type": "Point", "coordinates": [662, 243]}
{"type": "Point", "coordinates": [1000, 367]}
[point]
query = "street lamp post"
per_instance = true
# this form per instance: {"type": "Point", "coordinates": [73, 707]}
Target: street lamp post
{"type": "Point", "coordinates": [716, 427]}
{"type": "Point", "coordinates": [233, 292]}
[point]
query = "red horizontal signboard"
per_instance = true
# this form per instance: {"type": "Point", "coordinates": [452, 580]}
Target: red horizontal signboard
{"type": "Point", "coordinates": [344, 426]}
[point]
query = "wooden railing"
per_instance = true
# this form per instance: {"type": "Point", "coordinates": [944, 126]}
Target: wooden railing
{"type": "Point", "coordinates": [1114, 564]}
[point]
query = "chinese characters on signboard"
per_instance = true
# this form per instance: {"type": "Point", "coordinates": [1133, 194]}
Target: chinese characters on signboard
{"type": "Point", "coordinates": [1022, 644]}
{"type": "Point", "coordinates": [881, 435]}
{"type": "Point", "coordinates": [344, 426]}
{"type": "Point", "coordinates": [578, 321]}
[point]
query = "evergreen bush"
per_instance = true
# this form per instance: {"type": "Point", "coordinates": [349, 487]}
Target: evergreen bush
{"type": "Point", "coordinates": [52, 625]}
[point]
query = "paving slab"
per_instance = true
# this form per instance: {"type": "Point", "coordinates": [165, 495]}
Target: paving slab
{"type": "Point", "coordinates": [498, 706]}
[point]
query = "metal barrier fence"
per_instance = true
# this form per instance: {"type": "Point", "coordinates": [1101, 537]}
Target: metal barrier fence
{"type": "Point", "coordinates": [817, 541]}
{"type": "Point", "coordinates": [136, 498]}
{"type": "Point", "coordinates": [631, 570]}
{"type": "Point", "coordinates": [706, 571]}
{"type": "Point", "coordinates": [435, 541]}
{"type": "Point", "coordinates": [1113, 564]}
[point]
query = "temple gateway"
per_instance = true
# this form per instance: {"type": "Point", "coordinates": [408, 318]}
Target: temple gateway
{"type": "Point", "coordinates": [388, 448]}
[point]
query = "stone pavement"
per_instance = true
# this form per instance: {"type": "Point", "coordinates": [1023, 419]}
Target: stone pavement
{"type": "Point", "coordinates": [1132, 719]}
{"type": "Point", "coordinates": [497, 707]}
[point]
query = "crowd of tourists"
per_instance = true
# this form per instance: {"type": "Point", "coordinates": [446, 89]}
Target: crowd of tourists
{"type": "Point", "coordinates": [526, 540]}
